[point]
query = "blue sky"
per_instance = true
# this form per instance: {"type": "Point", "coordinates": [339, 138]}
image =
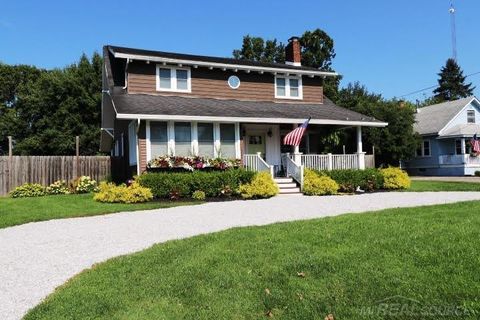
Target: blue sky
{"type": "Point", "coordinates": [393, 47]}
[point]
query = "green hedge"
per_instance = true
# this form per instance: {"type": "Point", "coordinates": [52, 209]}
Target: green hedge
{"type": "Point", "coordinates": [183, 185]}
{"type": "Point", "coordinates": [349, 180]}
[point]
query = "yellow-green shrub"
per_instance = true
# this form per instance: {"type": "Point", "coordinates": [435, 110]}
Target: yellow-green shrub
{"type": "Point", "coordinates": [109, 192]}
{"type": "Point", "coordinates": [261, 186]}
{"type": "Point", "coordinates": [318, 185]}
{"type": "Point", "coordinates": [198, 195]}
{"type": "Point", "coordinates": [395, 178]}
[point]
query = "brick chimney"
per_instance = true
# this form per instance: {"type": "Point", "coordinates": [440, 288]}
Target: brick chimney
{"type": "Point", "coordinates": [293, 52]}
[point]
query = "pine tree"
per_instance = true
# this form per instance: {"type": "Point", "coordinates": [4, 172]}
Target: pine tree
{"type": "Point", "coordinates": [451, 85]}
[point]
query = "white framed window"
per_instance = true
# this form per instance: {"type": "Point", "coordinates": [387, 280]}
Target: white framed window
{"type": "Point", "coordinates": [458, 146]}
{"type": "Point", "coordinates": [173, 79]}
{"type": "Point", "coordinates": [158, 138]}
{"type": "Point", "coordinates": [470, 116]}
{"type": "Point", "coordinates": [227, 140]}
{"type": "Point", "coordinates": [183, 139]}
{"type": "Point", "coordinates": [288, 87]}
{"type": "Point", "coordinates": [205, 139]}
{"type": "Point", "coordinates": [424, 149]}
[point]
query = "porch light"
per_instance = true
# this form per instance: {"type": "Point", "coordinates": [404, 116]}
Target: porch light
{"type": "Point", "coordinates": [269, 132]}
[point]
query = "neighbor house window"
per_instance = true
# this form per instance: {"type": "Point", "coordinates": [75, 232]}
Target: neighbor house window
{"type": "Point", "coordinates": [471, 116]}
{"type": "Point", "coordinates": [173, 79]}
{"type": "Point", "coordinates": [183, 139]}
{"type": "Point", "coordinates": [158, 139]}
{"type": "Point", "coordinates": [205, 140]}
{"type": "Point", "coordinates": [227, 140]}
{"type": "Point", "coordinates": [458, 147]}
{"type": "Point", "coordinates": [288, 87]}
{"type": "Point", "coordinates": [426, 148]}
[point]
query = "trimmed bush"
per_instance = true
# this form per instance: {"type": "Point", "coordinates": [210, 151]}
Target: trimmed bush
{"type": "Point", "coordinates": [111, 193]}
{"type": "Point", "coordinates": [261, 186]}
{"type": "Point", "coordinates": [395, 178]}
{"type": "Point", "coordinates": [58, 187]}
{"type": "Point", "coordinates": [198, 195]}
{"type": "Point", "coordinates": [348, 180]}
{"type": "Point", "coordinates": [84, 184]}
{"type": "Point", "coordinates": [477, 173]}
{"type": "Point", "coordinates": [315, 184]}
{"type": "Point", "coordinates": [28, 190]}
{"type": "Point", "coordinates": [182, 185]}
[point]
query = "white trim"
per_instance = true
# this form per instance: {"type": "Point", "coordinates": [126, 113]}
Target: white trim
{"type": "Point", "coordinates": [148, 141]}
{"type": "Point", "coordinates": [173, 78]}
{"type": "Point", "coordinates": [248, 119]}
{"type": "Point", "coordinates": [287, 87]}
{"type": "Point", "coordinates": [171, 138]}
{"type": "Point", "coordinates": [220, 65]}
{"type": "Point", "coordinates": [237, 141]}
{"type": "Point", "coordinates": [291, 63]}
{"type": "Point", "coordinates": [132, 137]}
{"type": "Point", "coordinates": [216, 139]}
{"type": "Point", "coordinates": [194, 136]}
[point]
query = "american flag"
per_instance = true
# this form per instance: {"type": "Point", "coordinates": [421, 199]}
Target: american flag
{"type": "Point", "coordinates": [294, 137]}
{"type": "Point", "coordinates": [475, 142]}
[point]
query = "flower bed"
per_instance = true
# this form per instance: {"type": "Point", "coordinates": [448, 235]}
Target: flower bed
{"type": "Point", "coordinates": [164, 163]}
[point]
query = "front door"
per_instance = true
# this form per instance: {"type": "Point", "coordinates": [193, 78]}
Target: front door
{"type": "Point", "coordinates": [255, 144]}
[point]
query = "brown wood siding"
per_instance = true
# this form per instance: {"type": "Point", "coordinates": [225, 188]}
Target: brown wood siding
{"type": "Point", "coordinates": [213, 84]}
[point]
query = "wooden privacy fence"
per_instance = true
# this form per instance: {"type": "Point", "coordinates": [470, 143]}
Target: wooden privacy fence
{"type": "Point", "coordinates": [17, 170]}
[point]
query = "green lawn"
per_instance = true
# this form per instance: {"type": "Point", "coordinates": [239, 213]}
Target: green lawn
{"type": "Point", "coordinates": [23, 210]}
{"type": "Point", "coordinates": [300, 270]}
{"type": "Point", "coordinates": [422, 185]}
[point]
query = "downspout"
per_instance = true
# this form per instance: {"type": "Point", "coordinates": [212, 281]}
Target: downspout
{"type": "Point", "coordinates": [138, 146]}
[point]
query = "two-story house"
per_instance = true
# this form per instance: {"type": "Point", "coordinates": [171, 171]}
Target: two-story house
{"type": "Point", "coordinates": [160, 103]}
{"type": "Point", "coordinates": [446, 130]}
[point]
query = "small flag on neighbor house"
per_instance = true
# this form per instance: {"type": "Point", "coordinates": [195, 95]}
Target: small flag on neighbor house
{"type": "Point", "coordinates": [475, 142]}
{"type": "Point", "coordinates": [294, 137]}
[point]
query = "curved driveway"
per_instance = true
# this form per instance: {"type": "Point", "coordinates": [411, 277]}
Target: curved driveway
{"type": "Point", "coordinates": [35, 258]}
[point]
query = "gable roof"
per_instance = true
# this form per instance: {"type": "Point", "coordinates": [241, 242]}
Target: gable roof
{"type": "Point", "coordinates": [172, 57]}
{"type": "Point", "coordinates": [144, 106]}
{"type": "Point", "coordinates": [432, 119]}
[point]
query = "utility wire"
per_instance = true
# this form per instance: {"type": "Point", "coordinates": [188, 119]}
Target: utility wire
{"type": "Point", "coordinates": [433, 87]}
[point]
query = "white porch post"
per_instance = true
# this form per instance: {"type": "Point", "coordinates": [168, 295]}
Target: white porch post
{"type": "Point", "coordinates": [464, 149]}
{"type": "Point", "coordinates": [216, 139]}
{"type": "Point", "coordinates": [194, 133]}
{"type": "Point", "coordinates": [360, 153]}
{"type": "Point", "coordinates": [297, 156]}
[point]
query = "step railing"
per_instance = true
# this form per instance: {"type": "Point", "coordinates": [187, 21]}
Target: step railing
{"type": "Point", "coordinates": [293, 170]}
{"type": "Point", "coordinates": [255, 162]}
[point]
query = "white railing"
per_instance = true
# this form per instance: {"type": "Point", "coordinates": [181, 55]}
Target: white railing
{"type": "Point", "coordinates": [293, 170]}
{"type": "Point", "coordinates": [457, 159]}
{"type": "Point", "coordinates": [330, 161]}
{"type": "Point", "coordinates": [345, 161]}
{"type": "Point", "coordinates": [255, 162]}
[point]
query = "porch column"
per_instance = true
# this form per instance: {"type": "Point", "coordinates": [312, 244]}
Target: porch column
{"type": "Point", "coordinates": [464, 149]}
{"type": "Point", "coordinates": [360, 153]}
{"type": "Point", "coordinates": [296, 152]}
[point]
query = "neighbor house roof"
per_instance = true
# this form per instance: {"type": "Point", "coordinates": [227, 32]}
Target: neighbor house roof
{"type": "Point", "coordinates": [172, 57]}
{"type": "Point", "coordinates": [144, 106]}
{"type": "Point", "coordinates": [461, 130]}
{"type": "Point", "coordinates": [432, 119]}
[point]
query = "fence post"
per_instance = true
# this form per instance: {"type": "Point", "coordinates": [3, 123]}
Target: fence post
{"type": "Point", "coordinates": [77, 156]}
{"type": "Point", "coordinates": [329, 161]}
{"type": "Point", "coordinates": [10, 164]}
{"type": "Point", "coordinates": [361, 160]}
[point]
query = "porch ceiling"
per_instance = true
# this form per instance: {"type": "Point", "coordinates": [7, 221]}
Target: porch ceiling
{"type": "Point", "coordinates": [143, 106]}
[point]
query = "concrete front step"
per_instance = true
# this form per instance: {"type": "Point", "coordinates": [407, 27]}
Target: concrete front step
{"type": "Point", "coordinates": [287, 185]}
{"type": "Point", "coordinates": [289, 190]}
{"type": "Point", "coordinates": [283, 180]}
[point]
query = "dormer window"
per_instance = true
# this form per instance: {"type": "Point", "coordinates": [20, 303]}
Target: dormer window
{"type": "Point", "coordinates": [288, 87]}
{"type": "Point", "coordinates": [175, 79]}
{"type": "Point", "coordinates": [471, 116]}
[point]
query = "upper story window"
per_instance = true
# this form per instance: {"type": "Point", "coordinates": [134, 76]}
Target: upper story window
{"type": "Point", "coordinates": [176, 79]}
{"type": "Point", "coordinates": [471, 116]}
{"type": "Point", "coordinates": [288, 87]}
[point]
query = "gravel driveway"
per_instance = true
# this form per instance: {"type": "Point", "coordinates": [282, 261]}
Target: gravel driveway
{"type": "Point", "coordinates": [35, 258]}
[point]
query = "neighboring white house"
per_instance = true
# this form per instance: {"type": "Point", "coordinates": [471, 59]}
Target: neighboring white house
{"type": "Point", "coordinates": [446, 131]}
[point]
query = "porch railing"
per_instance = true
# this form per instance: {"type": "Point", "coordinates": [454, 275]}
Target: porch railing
{"type": "Point", "coordinates": [331, 161]}
{"type": "Point", "coordinates": [457, 159]}
{"type": "Point", "coordinates": [255, 162]}
{"type": "Point", "coordinates": [293, 170]}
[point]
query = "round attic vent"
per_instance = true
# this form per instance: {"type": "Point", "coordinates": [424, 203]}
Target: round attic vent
{"type": "Point", "coordinates": [234, 82]}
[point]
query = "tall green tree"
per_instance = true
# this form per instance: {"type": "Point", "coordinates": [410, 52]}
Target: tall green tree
{"type": "Point", "coordinates": [451, 84]}
{"type": "Point", "coordinates": [393, 143]}
{"type": "Point", "coordinates": [49, 108]}
{"type": "Point", "coordinates": [317, 52]}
